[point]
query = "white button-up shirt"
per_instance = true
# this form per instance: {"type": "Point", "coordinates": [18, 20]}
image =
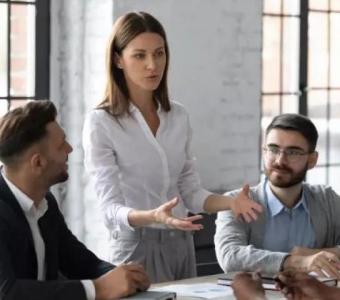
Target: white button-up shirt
{"type": "Point", "coordinates": [133, 169]}
{"type": "Point", "coordinates": [33, 214]}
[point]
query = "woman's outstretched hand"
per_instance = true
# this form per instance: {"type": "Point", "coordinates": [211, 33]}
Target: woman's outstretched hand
{"type": "Point", "coordinates": [243, 206]}
{"type": "Point", "coordinates": [163, 214]}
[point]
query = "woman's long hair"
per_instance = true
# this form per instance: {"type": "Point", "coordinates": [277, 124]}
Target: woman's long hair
{"type": "Point", "coordinates": [125, 29]}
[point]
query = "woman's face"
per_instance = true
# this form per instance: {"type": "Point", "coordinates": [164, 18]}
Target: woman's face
{"type": "Point", "coordinates": [143, 62]}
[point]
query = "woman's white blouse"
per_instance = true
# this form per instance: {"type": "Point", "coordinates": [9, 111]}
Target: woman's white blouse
{"type": "Point", "coordinates": [133, 169]}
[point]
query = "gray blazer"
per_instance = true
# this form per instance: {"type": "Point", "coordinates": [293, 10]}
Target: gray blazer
{"type": "Point", "coordinates": [239, 246]}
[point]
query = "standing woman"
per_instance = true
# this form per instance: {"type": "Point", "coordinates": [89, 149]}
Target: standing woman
{"type": "Point", "coordinates": [137, 152]}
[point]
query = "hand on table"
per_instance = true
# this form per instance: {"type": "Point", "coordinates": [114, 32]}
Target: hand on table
{"type": "Point", "coordinates": [301, 286]}
{"type": "Point", "coordinates": [248, 286]}
{"type": "Point", "coordinates": [323, 263]}
{"type": "Point", "coordinates": [308, 251]}
{"type": "Point", "coordinates": [120, 282]}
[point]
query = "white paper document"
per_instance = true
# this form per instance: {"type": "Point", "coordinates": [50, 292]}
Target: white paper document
{"type": "Point", "coordinates": [199, 290]}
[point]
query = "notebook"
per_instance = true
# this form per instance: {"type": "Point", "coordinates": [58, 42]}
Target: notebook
{"type": "Point", "coordinates": [152, 295]}
{"type": "Point", "coordinates": [268, 282]}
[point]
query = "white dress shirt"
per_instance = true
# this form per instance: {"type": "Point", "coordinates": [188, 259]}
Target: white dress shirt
{"type": "Point", "coordinates": [33, 214]}
{"type": "Point", "coordinates": [133, 169]}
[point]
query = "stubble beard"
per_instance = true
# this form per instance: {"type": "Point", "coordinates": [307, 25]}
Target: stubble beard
{"type": "Point", "coordinates": [278, 181]}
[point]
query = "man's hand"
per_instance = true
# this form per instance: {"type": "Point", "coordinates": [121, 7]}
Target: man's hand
{"type": "Point", "coordinates": [120, 282]}
{"type": "Point", "coordinates": [303, 251]}
{"type": "Point", "coordinates": [300, 286]}
{"type": "Point", "coordinates": [308, 251]}
{"type": "Point", "coordinates": [163, 214]}
{"type": "Point", "coordinates": [323, 263]}
{"type": "Point", "coordinates": [248, 287]}
{"type": "Point", "coordinates": [243, 205]}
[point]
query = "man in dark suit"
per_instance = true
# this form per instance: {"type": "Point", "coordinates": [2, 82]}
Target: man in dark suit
{"type": "Point", "coordinates": [36, 247]}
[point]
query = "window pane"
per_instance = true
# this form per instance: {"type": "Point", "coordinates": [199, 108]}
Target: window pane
{"type": "Point", "coordinates": [335, 5]}
{"type": "Point", "coordinates": [334, 126]}
{"type": "Point", "coordinates": [334, 175]}
{"type": "Point", "coordinates": [3, 50]}
{"type": "Point", "coordinates": [3, 107]}
{"type": "Point", "coordinates": [318, 4]}
{"type": "Point", "coordinates": [335, 50]}
{"type": "Point", "coordinates": [271, 6]}
{"type": "Point", "coordinates": [271, 54]}
{"type": "Point", "coordinates": [318, 50]}
{"type": "Point", "coordinates": [317, 175]}
{"type": "Point", "coordinates": [317, 111]}
{"type": "Point", "coordinates": [291, 7]}
{"type": "Point", "coordinates": [22, 50]}
{"type": "Point", "coordinates": [17, 103]}
{"type": "Point", "coordinates": [290, 104]}
{"type": "Point", "coordinates": [291, 54]}
{"type": "Point", "coordinates": [270, 106]}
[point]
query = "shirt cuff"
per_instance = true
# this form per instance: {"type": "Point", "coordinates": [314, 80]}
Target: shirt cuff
{"type": "Point", "coordinates": [283, 261]}
{"type": "Point", "coordinates": [122, 214]}
{"type": "Point", "coordinates": [90, 290]}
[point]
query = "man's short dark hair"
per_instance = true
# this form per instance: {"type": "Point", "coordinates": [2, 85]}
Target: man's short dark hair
{"type": "Point", "coordinates": [21, 127]}
{"type": "Point", "coordinates": [299, 123]}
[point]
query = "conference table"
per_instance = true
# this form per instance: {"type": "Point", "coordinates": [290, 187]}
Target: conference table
{"type": "Point", "coordinates": [204, 287]}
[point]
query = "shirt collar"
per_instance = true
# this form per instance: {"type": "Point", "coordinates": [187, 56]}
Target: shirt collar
{"type": "Point", "coordinates": [275, 205]}
{"type": "Point", "coordinates": [26, 203]}
{"type": "Point", "coordinates": [133, 108]}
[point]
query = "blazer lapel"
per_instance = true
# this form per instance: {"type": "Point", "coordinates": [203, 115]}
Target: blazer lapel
{"type": "Point", "coordinates": [49, 233]}
{"type": "Point", "coordinates": [318, 223]}
{"type": "Point", "coordinates": [12, 210]}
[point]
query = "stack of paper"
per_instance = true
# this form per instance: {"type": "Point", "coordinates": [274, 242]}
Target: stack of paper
{"type": "Point", "coordinates": [199, 291]}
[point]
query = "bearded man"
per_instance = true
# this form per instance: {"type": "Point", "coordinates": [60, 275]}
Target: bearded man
{"type": "Point", "coordinates": [39, 256]}
{"type": "Point", "coordinates": [300, 227]}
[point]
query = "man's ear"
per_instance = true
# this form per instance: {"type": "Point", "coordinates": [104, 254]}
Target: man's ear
{"type": "Point", "coordinates": [37, 162]}
{"type": "Point", "coordinates": [117, 60]}
{"type": "Point", "coordinates": [312, 159]}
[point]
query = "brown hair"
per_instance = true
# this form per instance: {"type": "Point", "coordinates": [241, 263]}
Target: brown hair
{"type": "Point", "coordinates": [24, 126]}
{"type": "Point", "coordinates": [299, 123]}
{"type": "Point", "coordinates": [125, 29]}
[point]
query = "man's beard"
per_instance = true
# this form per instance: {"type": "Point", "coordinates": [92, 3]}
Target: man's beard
{"type": "Point", "coordinates": [62, 177]}
{"type": "Point", "coordinates": [295, 179]}
{"type": "Point", "coordinates": [58, 177]}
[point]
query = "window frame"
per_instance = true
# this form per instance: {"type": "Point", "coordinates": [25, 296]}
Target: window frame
{"type": "Point", "coordinates": [42, 51]}
{"type": "Point", "coordinates": [303, 84]}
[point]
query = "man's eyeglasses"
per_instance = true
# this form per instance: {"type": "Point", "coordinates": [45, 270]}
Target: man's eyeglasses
{"type": "Point", "coordinates": [292, 155]}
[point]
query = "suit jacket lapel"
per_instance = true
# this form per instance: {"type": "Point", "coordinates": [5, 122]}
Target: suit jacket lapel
{"type": "Point", "coordinates": [14, 212]}
{"type": "Point", "coordinates": [49, 233]}
{"type": "Point", "coordinates": [11, 211]}
{"type": "Point", "coordinates": [318, 223]}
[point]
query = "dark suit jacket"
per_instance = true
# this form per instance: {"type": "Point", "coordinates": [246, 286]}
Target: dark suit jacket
{"type": "Point", "coordinates": [64, 255]}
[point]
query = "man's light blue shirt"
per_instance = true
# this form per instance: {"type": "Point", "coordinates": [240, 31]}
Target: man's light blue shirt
{"type": "Point", "coordinates": [287, 227]}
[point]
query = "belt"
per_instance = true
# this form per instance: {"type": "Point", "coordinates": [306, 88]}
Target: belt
{"type": "Point", "coordinates": [152, 234]}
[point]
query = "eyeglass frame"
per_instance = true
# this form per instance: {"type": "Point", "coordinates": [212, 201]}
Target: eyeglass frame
{"type": "Point", "coordinates": [291, 154]}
